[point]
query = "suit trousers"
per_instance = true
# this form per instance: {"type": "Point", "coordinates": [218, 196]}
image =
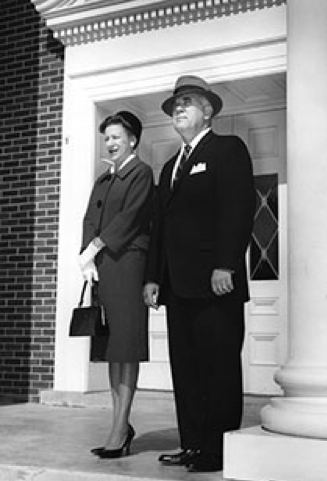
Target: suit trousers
{"type": "Point", "coordinates": [205, 342]}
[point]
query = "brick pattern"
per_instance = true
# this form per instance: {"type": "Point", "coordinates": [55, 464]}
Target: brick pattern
{"type": "Point", "coordinates": [31, 91]}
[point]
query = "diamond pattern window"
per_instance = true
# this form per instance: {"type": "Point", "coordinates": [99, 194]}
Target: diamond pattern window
{"type": "Point", "coordinates": [264, 243]}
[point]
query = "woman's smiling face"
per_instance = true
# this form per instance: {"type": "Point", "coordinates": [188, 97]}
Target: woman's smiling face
{"type": "Point", "coordinates": [119, 143]}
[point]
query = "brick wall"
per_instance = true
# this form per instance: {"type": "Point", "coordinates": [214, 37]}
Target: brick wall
{"type": "Point", "coordinates": [31, 84]}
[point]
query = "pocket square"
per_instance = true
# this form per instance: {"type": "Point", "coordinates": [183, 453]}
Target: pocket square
{"type": "Point", "coordinates": [197, 168]}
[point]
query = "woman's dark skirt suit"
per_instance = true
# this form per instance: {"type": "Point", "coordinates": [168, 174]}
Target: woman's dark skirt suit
{"type": "Point", "coordinates": [119, 212]}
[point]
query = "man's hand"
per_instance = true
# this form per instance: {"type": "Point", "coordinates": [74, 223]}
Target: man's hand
{"type": "Point", "coordinates": [221, 282]}
{"type": "Point", "coordinates": [150, 294]}
{"type": "Point", "coordinates": [90, 273]}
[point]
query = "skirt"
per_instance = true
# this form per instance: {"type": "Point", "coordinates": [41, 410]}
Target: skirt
{"type": "Point", "coordinates": [120, 291]}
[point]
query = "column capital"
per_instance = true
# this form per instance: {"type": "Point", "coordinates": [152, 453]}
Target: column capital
{"type": "Point", "coordinates": [81, 21]}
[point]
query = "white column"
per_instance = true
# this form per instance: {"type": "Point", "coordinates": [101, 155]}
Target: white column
{"type": "Point", "coordinates": [303, 410]}
{"type": "Point", "coordinates": [293, 444]}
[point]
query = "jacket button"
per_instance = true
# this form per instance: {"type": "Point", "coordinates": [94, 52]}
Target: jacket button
{"type": "Point", "coordinates": [99, 203]}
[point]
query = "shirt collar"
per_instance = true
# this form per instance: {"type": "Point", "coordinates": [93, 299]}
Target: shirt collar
{"type": "Point", "coordinates": [194, 142]}
{"type": "Point", "coordinates": [111, 167]}
{"type": "Point", "coordinates": [129, 158]}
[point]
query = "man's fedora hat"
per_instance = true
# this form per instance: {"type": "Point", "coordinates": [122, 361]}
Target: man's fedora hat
{"type": "Point", "coordinates": [127, 119]}
{"type": "Point", "coordinates": [190, 84]}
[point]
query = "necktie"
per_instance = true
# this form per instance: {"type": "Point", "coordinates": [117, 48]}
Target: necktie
{"type": "Point", "coordinates": [185, 155]}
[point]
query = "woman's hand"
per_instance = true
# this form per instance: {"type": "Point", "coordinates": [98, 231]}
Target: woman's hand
{"type": "Point", "coordinates": [90, 252]}
{"type": "Point", "coordinates": [90, 272]}
{"type": "Point", "coordinates": [150, 294]}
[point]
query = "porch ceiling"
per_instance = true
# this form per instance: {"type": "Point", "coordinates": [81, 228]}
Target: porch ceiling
{"type": "Point", "coordinates": [239, 96]}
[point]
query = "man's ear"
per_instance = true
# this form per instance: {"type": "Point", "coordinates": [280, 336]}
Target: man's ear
{"type": "Point", "coordinates": [208, 111]}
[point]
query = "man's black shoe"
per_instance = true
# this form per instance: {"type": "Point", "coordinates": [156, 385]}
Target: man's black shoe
{"type": "Point", "coordinates": [205, 463]}
{"type": "Point", "coordinates": [182, 458]}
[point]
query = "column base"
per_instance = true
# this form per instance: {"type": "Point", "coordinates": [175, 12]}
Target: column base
{"type": "Point", "coordinates": [297, 416]}
{"type": "Point", "coordinates": [253, 454]}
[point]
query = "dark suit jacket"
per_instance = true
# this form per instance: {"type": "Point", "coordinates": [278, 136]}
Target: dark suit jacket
{"type": "Point", "coordinates": [205, 222]}
{"type": "Point", "coordinates": [119, 209]}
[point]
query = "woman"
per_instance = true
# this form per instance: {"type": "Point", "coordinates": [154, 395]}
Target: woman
{"type": "Point", "coordinates": [115, 240]}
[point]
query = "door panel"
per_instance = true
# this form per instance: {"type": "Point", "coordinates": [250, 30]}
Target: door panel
{"type": "Point", "coordinates": [265, 344]}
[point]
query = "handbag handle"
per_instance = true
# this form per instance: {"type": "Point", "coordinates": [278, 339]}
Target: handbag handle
{"type": "Point", "coordinates": [95, 295]}
{"type": "Point", "coordinates": [82, 295]}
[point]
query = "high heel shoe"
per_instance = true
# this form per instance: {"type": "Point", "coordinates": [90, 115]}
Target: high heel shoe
{"type": "Point", "coordinates": [102, 452]}
{"type": "Point", "coordinates": [97, 451]}
{"type": "Point", "coordinates": [117, 453]}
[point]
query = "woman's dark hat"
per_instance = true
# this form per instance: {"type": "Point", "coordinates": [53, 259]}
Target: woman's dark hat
{"type": "Point", "coordinates": [127, 119]}
{"type": "Point", "coordinates": [190, 84]}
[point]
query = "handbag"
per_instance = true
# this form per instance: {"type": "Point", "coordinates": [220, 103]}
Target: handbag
{"type": "Point", "coordinates": [90, 320]}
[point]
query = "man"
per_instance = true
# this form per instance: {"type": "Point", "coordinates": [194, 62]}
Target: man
{"type": "Point", "coordinates": [196, 267]}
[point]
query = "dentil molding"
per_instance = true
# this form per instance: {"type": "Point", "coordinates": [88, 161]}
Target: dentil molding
{"type": "Point", "coordinates": [80, 21]}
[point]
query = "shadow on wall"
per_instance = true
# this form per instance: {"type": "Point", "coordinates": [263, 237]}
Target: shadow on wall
{"type": "Point", "coordinates": [30, 139]}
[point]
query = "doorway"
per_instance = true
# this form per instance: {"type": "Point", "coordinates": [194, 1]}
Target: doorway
{"type": "Point", "coordinates": [255, 110]}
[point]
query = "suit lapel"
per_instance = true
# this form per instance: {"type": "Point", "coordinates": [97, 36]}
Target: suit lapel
{"type": "Point", "coordinates": [192, 160]}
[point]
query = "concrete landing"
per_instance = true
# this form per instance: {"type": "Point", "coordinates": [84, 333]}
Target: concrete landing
{"type": "Point", "coordinates": [44, 442]}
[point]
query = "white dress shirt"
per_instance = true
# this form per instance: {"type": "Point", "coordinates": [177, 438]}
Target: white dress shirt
{"type": "Point", "coordinates": [192, 144]}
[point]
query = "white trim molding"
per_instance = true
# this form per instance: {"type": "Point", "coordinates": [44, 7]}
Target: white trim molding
{"type": "Point", "coordinates": [75, 22]}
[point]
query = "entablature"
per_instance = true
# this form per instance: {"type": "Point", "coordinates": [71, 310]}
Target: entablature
{"type": "Point", "coordinates": [81, 21]}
